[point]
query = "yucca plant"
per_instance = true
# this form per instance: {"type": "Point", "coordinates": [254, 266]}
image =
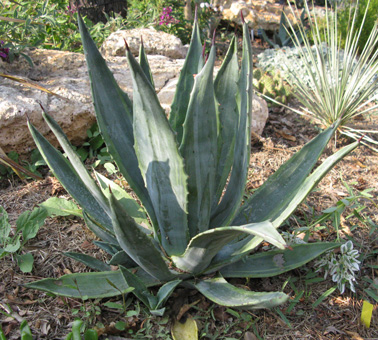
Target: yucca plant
{"type": "Point", "coordinates": [337, 84]}
{"type": "Point", "coordinates": [196, 234]}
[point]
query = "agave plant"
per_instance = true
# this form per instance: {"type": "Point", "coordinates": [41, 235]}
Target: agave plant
{"type": "Point", "coordinates": [192, 230]}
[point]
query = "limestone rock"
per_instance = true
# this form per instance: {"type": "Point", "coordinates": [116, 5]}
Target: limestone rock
{"type": "Point", "coordinates": [66, 74]}
{"type": "Point", "coordinates": [155, 43]}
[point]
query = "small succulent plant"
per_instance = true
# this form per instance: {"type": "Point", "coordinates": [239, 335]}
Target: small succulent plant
{"type": "Point", "coordinates": [271, 86]}
{"type": "Point", "coordinates": [191, 229]}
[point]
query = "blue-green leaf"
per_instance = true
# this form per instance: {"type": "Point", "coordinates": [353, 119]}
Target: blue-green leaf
{"type": "Point", "coordinates": [240, 249]}
{"type": "Point", "coordinates": [89, 261]}
{"type": "Point", "coordinates": [137, 244]}
{"type": "Point", "coordinates": [218, 290]}
{"type": "Point", "coordinates": [76, 163]}
{"type": "Point", "coordinates": [143, 62]}
{"type": "Point", "coordinates": [226, 88]}
{"type": "Point", "coordinates": [130, 205]}
{"type": "Point", "coordinates": [160, 162]}
{"type": "Point", "coordinates": [115, 118]}
{"type": "Point", "coordinates": [199, 148]}
{"type": "Point", "coordinates": [230, 202]}
{"type": "Point", "coordinates": [140, 289]}
{"type": "Point", "coordinates": [185, 83]}
{"type": "Point", "coordinates": [276, 262]}
{"type": "Point", "coordinates": [203, 247]}
{"type": "Point", "coordinates": [70, 179]}
{"type": "Point", "coordinates": [278, 191]}
{"type": "Point", "coordinates": [93, 285]}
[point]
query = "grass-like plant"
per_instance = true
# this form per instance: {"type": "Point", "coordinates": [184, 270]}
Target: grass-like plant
{"type": "Point", "coordinates": [196, 234]}
{"type": "Point", "coordinates": [339, 85]}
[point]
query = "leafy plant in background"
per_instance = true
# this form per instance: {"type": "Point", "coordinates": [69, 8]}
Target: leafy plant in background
{"type": "Point", "coordinates": [24, 330]}
{"type": "Point", "coordinates": [47, 24]}
{"type": "Point", "coordinates": [194, 236]}
{"type": "Point", "coordinates": [75, 334]}
{"type": "Point", "coordinates": [166, 16]}
{"type": "Point", "coordinates": [27, 226]}
{"type": "Point", "coordinates": [337, 85]}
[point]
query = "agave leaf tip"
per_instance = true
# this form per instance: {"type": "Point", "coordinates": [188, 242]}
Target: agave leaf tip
{"type": "Point", "coordinates": [242, 16]}
{"type": "Point", "coordinates": [203, 49]}
{"type": "Point", "coordinates": [126, 44]}
{"type": "Point", "coordinates": [213, 41]}
{"type": "Point", "coordinates": [196, 13]}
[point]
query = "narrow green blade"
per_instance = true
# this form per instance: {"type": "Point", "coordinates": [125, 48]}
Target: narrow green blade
{"type": "Point", "coordinates": [76, 162]}
{"type": "Point", "coordinates": [89, 261]}
{"type": "Point", "coordinates": [218, 290]}
{"type": "Point", "coordinates": [91, 285]}
{"type": "Point", "coordinates": [99, 230]}
{"type": "Point", "coordinates": [160, 162]}
{"type": "Point", "coordinates": [140, 289]}
{"type": "Point", "coordinates": [121, 258]}
{"type": "Point", "coordinates": [311, 182]}
{"type": "Point", "coordinates": [276, 262]}
{"type": "Point", "coordinates": [226, 89]}
{"type": "Point", "coordinates": [137, 244]}
{"type": "Point", "coordinates": [199, 148]}
{"type": "Point", "coordinates": [165, 292]}
{"type": "Point", "coordinates": [278, 191]}
{"type": "Point", "coordinates": [70, 179]}
{"type": "Point", "coordinates": [203, 247]}
{"type": "Point", "coordinates": [143, 62]}
{"type": "Point", "coordinates": [115, 119]}
{"type": "Point", "coordinates": [239, 249]}
{"type": "Point", "coordinates": [230, 202]}
{"type": "Point", "coordinates": [185, 83]}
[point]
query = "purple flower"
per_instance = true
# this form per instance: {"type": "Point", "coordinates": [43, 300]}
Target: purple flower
{"type": "Point", "coordinates": [3, 55]}
{"type": "Point", "coordinates": [166, 18]}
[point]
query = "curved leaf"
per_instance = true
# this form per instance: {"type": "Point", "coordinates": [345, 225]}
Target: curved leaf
{"type": "Point", "coordinates": [233, 252]}
{"type": "Point", "coordinates": [276, 262]}
{"type": "Point", "coordinates": [218, 290]}
{"type": "Point", "coordinates": [91, 285]}
{"type": "Point", "coordinates": [199, 148]}
{"type": "Point", "coordinates": [278, 191]}
{"type": "Point", "coordinates": [161, 164]}
{"type": "Point", "coordinates": [203, 247]}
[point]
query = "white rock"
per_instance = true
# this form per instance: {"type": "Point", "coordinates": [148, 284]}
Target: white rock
{"type": "Point", "coordinates": [155, 43]}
